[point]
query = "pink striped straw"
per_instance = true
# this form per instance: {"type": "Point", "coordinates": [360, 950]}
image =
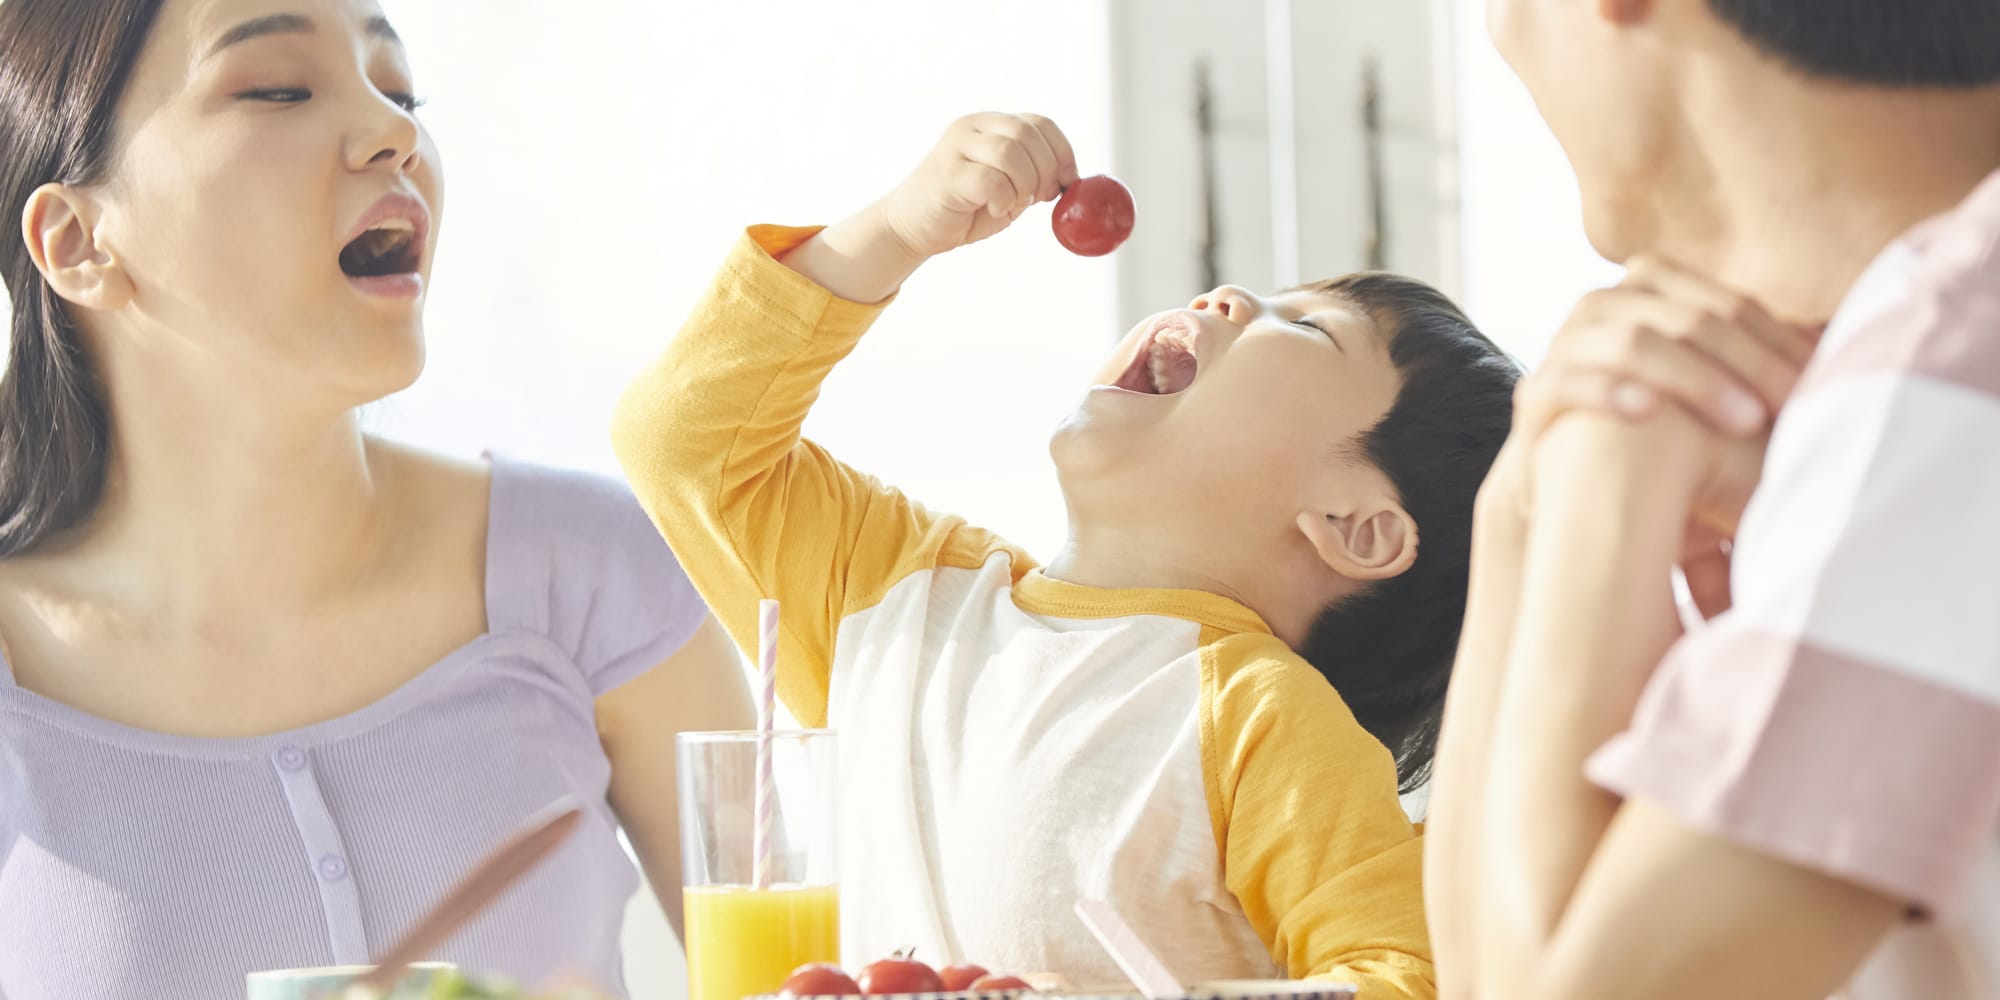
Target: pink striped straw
{"type": "Point", "coordinates": [767, 712]}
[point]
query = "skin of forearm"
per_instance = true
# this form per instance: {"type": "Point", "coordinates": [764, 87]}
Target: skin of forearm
{"type": "Point", "coordinates": [1458, 805]}
{"type": "Point", "coordinates": [1594, 615]}
{"type": "Point", "coordinates": [859, 258]}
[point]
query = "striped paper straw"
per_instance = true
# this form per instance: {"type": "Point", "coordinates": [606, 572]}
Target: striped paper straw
{"type": "Point", "coordinates": [767, 712]}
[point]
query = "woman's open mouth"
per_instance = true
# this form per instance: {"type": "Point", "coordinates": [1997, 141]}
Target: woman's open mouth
{"type": "Point", "coordinates": [389, 248]}
{"type": "Point", "coordinates": [384, 256]}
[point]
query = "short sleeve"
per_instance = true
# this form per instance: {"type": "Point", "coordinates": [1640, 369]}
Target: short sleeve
{"type": "Point", "coordinates": [1844, 715]}
{"type": "Point", "coordinates": [572, 557]}
{"type": "Point", "coordinates": [1315, 844]}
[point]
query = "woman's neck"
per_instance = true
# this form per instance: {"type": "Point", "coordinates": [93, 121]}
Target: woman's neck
{"type": "Point", "coordinates": [213, 517]}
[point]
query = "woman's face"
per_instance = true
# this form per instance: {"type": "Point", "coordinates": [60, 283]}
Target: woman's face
{"type": "Point", "coordinates": [273, 199]}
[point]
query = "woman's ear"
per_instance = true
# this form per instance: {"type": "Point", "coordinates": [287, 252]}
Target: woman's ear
{"type": "Point", "coordinates": [59, 225]}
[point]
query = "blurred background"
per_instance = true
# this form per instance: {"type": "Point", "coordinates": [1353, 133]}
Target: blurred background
{"type": "Point", "coordinates": [601, 155]}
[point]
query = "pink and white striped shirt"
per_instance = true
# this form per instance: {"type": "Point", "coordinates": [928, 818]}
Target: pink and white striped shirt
{"type": "Point", "coordinates": [1845, 714]}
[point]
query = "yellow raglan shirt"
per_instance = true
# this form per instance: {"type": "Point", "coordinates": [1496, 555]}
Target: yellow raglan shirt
{"type": "Point", "coordinates": [1012, 743]}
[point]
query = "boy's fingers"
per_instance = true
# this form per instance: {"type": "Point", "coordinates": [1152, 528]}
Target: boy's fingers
{"type": "Point", "coordinates": [1010, 157]}
{"type": "Point", "coordinates": [1046, 165]}
{"type": "Point", "coordinates": [987, 186]}
{"type": "Point", "coordinates": [1066, 172]}
{"type": "Point", "coordinates": [1018, 129]}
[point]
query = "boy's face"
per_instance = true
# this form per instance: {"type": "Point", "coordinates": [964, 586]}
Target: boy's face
{"type": "Point", "coordinates": [1602, 73]}
{"type": "Point", "coordinates": [1236, 411]}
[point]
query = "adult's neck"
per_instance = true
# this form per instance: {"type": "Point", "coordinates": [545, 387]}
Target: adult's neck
{"type": "Point", "coordinates": [224, 502]}
{"type": "Point", "coordinates": [1792, 186]}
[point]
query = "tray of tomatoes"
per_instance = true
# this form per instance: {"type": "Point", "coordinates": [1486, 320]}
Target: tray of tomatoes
{"type": "Point", "coordinates": [902, 977]}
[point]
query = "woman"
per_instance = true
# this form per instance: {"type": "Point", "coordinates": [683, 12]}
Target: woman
{"type": "Point", "coordinates": [271, 685]}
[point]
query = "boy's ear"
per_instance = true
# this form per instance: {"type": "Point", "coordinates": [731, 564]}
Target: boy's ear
{"type": "Point", "coordinates": [1374, 542]}
{"type": "Point", "coordinates": [59, 225]}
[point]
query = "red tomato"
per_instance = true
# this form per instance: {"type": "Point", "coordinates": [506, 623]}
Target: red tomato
{"type": "Point", "coordinates": [958, 977]}
{"type": "Point", "coordinates": [900, 975]}
{"type": "Point", "coordinates": [1093, 216]}
{"type": "Point", "coordinates": [998, 984]}
{"type": "Point", "coordinates": [820, 979]}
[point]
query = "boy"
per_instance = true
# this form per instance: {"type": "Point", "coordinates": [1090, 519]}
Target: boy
{"type": "Point", "coordinates": [1132, 723]}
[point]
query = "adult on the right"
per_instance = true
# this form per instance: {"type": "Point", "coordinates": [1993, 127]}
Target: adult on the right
{"type": "Point", "coordinates": [1802, 792]}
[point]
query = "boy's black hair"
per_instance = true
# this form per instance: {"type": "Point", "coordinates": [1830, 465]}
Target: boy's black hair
{"type": "Point", "coordinates": [1388, 649]}
{"type": "Point", "coordinates": [1907, 43]}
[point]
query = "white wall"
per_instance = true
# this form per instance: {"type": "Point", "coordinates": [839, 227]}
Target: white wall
{"type": "Point", "coordinates": [1525, 257]}
{"type": "Point", "coordinates": [1308, 218]}
{"type": "Point", "coordinates": [601, 157]}
{"type": "Point", "coordinates": [598, 170]}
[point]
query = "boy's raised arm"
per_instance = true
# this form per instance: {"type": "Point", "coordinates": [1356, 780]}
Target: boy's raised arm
{"type": "Point", "coordinates": [709, 434]}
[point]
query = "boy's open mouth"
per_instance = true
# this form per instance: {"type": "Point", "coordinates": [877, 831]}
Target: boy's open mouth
{"type": "Point", "coordinates": [1164, 365]}
{"type": "Point", "coordinates": [390, 247]}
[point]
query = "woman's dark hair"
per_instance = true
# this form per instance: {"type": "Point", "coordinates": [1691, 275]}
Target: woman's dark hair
{"type": "Point", "coordinates": [1388, 649]}
{"type": "Point", "coordinates": [1905, 43]}
{"type": "Point", "coordinates": [63, 68]}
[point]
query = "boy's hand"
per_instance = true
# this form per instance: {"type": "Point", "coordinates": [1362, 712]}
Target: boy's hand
{"type": "Point", "coordinates": [986, 170]}
{"type": "Point", "coordinates": [981, 176]}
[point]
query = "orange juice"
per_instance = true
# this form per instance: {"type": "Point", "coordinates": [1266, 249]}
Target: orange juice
{"type": "Point", "coordinates": [743, 941]}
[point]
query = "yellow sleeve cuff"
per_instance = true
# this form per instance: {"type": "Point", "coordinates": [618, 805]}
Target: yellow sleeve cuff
{"type": "Point", "coordinates": [787, 301]}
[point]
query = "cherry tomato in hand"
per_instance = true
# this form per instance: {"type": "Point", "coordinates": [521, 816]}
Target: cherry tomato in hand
{"type": "Point", "coordinates": [1093, 216]}
{"type": "Point", "coordinates": [820, 979]}
{"type": "Point", "coordinates": [959, 977]}
{"type": "Point", "coordinates": [900, 975]}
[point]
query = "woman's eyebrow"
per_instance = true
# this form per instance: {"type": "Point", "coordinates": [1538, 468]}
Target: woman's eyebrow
{"type": "Point", "coordinates": [292, 24]}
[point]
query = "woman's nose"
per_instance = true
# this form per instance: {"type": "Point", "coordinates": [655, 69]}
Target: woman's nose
{"type": "Point", "coordinates": [387, 136]}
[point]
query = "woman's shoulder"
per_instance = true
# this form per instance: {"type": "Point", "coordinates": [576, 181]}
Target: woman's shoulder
{"type": "Point", "coordinates": [567, 505]}
{"type": "Point", "coordinates": [518, 501]}
{"type": "Point", "coordinates": [571, 556]}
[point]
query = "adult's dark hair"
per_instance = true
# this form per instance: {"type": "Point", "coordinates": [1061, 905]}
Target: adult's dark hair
{"type": "Point", "coordinates": [1907, 43]}
{"type": "Point", "coordinates": [63, 68]}
{"type": "Point", "coordinates": [1388, 649]}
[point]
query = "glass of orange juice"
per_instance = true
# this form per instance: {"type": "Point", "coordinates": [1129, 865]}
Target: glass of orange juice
{"type": "Point", "coordinates": [751, 922]}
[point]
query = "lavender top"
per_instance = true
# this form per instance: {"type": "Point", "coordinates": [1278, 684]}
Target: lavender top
{"type": "Point", "coordinates": [147, 866]}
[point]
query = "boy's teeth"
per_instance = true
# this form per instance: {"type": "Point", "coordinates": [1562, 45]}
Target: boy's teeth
{"type": "Point", "coordinates": [1159, 373]}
